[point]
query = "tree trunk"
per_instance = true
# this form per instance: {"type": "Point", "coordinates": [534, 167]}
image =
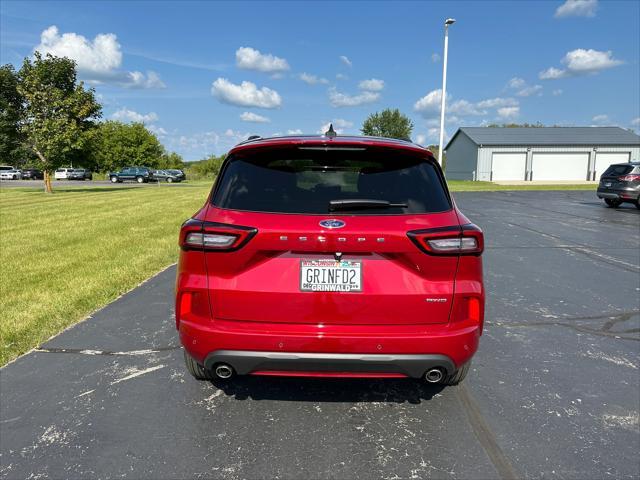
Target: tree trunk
{"type": "Point", "coordinates": [47, 174]}
{"type": "Point", "coordinates": [47, 182]}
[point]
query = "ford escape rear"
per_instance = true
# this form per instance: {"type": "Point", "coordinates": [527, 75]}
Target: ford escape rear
{"type": "Point", "coordinates": [330, 256]}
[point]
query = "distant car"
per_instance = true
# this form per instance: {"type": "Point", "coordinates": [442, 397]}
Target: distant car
{"type": "Point", "coordinates": [131, 174]}
{"type": "Point", "coordinates": [62, 173]}
{"type": "Point", "coordinates": [10, 174]}
{"type": "Point", "coordinates": [620, 183]}
{"type": "Point", "coordinates": [178, 173]}
{"type": "Point", "coordinates": [32, 174]}
{"type": "Point", "coordinates": [80, 174]}
{"type": "Point", "coordinates": [165, 176]}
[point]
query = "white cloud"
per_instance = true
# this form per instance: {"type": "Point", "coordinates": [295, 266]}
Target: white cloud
{"type": "Point", "coordinates": [421, 139]}
{"type": "Point", "coordinates": [98, 60]}
{"type": "Point", "coordinates": [577, 8]}
{"type": "Point", "coordinates": [253, 117]}
{"type": "Point", "coordinates": [346, 61]}
{"type": "Point", "coordinates": [465, 108]}
{"type": "Point", "coordinates": [245, 95]}
{"type": "Point", "coordinates": [430, 103]}
{"type": "Point", "coordinates": [341, 76]}
{"type": "Point", "coordinates": [529, 90]}
{"type": "Point", "coordinates": [556, 92]}
{"type": "Point", "coordinates": [125, 114]}
{"type": "Point", "coordinates": [103, 54]}
{"type": "Point", "coordinates": [158, 131]}
{"type": "Point", "coordinates": [312, 79]}
{"type": "Point", "coordinates": [434, 58]}
{"type": "Point", "coordinates": [516, 83]}
{"type": "Point", "coordinates": [371, 85]}
{"type": "Point", "coordinates": [251, 59]}
{"type": "Point", "coordinates": [636, 122]}
{"type": "Point", "coordinates": [297, 131]}
{"type": "Point", "coordinates": [588, 61]}
{"type": "Point", "coordinates": [338, 99]}
{"type": "Point", "coordinates": [552, 73]}
{"type": "Point", "coordinates": [508, 112]}
{"type": "Point", "coordinates": [523, 89]}
{"type": "Point", "coordinates": [140, 80]}
{"type": "Point", "coordinates": [601, 119]}
{"type": "Point", "coordinates": [582, 62]}
{"type": "Point", "coordinates": [429, 107]}
{"type": "Point", "coordinates": [342, 123]}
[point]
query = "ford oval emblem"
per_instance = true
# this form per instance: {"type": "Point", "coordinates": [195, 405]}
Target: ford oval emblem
{"type": "Point", "coordinates": [332, 223]}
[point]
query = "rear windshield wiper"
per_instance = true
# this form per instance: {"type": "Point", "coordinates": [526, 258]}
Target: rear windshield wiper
{"type": "Point", "coordinates": [362, 204]}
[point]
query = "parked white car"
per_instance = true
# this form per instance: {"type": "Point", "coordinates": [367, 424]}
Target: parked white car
{"type": "Point", "coordinates": [62, 173]}
{"type": "Point", "coordinates": [9, 173]}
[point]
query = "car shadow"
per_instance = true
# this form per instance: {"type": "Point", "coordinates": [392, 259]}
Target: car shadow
{"type": "Point", "coordinates": [298, 389]}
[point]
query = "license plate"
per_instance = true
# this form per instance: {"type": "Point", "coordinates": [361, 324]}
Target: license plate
{"type": "Point", "coordinates": [607, 184]}
{"type": "Point", "coordinates": [330, 275]}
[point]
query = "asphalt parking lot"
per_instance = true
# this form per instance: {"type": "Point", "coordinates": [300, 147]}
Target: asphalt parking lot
{"type": "Point", "coordinates": [554, 391]}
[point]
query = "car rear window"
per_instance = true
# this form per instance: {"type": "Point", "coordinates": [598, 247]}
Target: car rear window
{"type": "Point", "coordinates": [306, 180]}
{"type": "Point", "coordinates": [615, 170]}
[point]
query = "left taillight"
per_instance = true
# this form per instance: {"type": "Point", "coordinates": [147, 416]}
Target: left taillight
{"type": "Point", "coordinates": [212, 236]}
{"type": "Point", "coordinates": [456, 240]}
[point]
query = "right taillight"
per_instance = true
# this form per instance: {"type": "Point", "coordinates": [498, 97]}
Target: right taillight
{"type": "Point", "coordinates": [456, 240]}
{"type": "Point", "coordinates": [633, 177]}
{"type": "Point", "coordinates": [211, 236]}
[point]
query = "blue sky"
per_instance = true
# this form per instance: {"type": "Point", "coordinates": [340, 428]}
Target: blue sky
{"type": "Point", "coordinates": [204, 75]}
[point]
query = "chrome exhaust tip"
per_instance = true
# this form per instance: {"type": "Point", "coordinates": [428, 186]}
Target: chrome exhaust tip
{"type": "Point", "coordinates": [434, 375]}
{"type": "Point", "coordinates": [224, 371]}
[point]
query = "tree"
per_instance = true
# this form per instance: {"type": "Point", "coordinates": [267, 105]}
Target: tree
{"type": "Point", "coordinates": [388, 123]}
{"type": "Point", "coordinates": [10, 113]}
{"type": "Point", "coordinates": [57, 110]}
{"type": "Point", "coordinates": [171, 161]}
{"type": "Point", "coordinates": [207, 167]}
{"type": "Point", "coordinates": [113, 145]}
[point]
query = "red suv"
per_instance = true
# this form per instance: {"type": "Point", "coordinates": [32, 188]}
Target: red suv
{"type": "Point", "coordinates": [333, 257]}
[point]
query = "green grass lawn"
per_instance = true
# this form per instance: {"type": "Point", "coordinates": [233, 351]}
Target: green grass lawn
{"type": "Point", "coordinates": [64, 255]}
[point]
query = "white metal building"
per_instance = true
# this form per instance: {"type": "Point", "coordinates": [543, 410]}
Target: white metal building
{"type": "Point", "coordinates": [545, 153]}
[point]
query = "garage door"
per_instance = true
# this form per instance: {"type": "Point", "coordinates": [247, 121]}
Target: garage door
{"type": "Point", "coordinates": [508, 166]}
{"type": "Point", "coordinates": [559, 166]}
{"type": "Point", "coordinates": [604, 159]}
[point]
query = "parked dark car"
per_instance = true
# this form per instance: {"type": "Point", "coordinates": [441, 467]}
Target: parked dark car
{"type": "Point", "coordinates": [620, 183]}
{"type": "Point", "coordinates": [131, 174]}
{"type": "Point", "coordinates": [32, 174]}
{"type": "Point", "coordinates": [80, 174]}
{"type": "Point", "coordinates": [165, 176]}
{"type": "Point", "coordinates": [178, 173]}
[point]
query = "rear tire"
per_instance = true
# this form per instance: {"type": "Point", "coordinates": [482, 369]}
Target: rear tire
{"type": "Point", "coordinates": [169, 180]}
{"type": "Point", "coordinates": [114, 179]}
{"type": "Point", "coordinates": [612, 202]}
{"type": "Point", "coordinates": [458, 376]}
{"type": "Point", "coordinates": [139, 179]}
{"type": "Point", "coordinates": [195, 369]}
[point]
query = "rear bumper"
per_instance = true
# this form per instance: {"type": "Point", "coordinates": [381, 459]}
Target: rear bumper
{"type": "Point", "coordinates": [624, 195]}
{"type": "Point", "coordinates": [245, 362]}
{"type": "Point", "coordinates": [254, 347]}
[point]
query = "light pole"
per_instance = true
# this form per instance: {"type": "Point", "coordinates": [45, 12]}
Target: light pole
{"type": "Point", "coordinates": [447, 22]}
